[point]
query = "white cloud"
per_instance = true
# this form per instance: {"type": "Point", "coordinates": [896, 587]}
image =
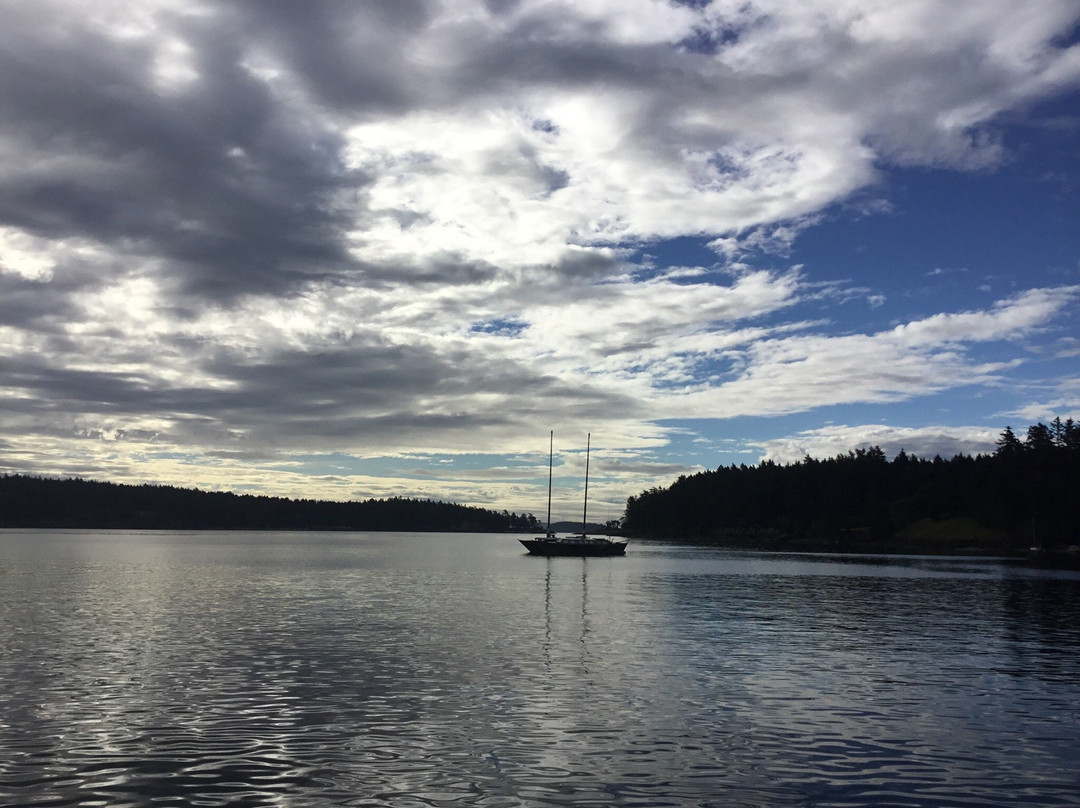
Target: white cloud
{"type": "Point", "coordinates": [795, 373]}
{"type": "Point", "coordinates": [1007, 319]}
{"type": "Point", "coordinates": [772, 128]}
{"type": "Point", "coordinates": [1060, 400]}
{"type": "Point", "coordinates": [926, 441]}
{"type": "Point", "coordinates": [24, 255]}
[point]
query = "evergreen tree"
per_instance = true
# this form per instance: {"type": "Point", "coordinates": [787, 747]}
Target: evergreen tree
{"type": "Point", "coordinates": [1071, 436]}
{"type": "Point", "coordinates": [1008, 443]}
{"type": "Point", "coordinates": [861, 499]}
{"type": "Point", "coordinates": [1039, 438]}
{"type": "Point", "coordinates": [37, 502]}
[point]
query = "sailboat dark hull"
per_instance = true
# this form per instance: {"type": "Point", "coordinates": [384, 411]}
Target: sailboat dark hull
{"type": "Point", "coordinates": [581, 544]}
{"type": "Point", "coordinates": [574, 546]}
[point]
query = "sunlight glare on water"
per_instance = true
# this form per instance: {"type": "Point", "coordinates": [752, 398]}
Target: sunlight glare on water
{"type": "Point", "coordinates": [425, 670]}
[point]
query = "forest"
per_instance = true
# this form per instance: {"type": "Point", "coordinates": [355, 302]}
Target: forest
{"type": "Point", "coordinates": [1025, 494]}
{"type": "Point", "coordinates": [37, 502]}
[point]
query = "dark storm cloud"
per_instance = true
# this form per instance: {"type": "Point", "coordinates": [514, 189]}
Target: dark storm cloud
{"type": "Point", "coordinates": [215, 177]}
{"type": "Point", "coordinates": [360, 56]}
{"type": "Point", "coordinates": [317, 399]}
{"type": "Point", "coordinates": [364, 390]}
{"type": "Point", "coordinates": [575, 266]}
{"type": "Point", "coordinates": [536, 56]}
{"type": "Point", "coordinates": [443, 269]}
{"type": "Point", "coordinates": [26, 303]}
{"type": "Point", "coordinates": [48, 388]}
{"type": "Point", "coordinates": [585, 264]}
{"type": "Point", "coordinates": [351, 55]}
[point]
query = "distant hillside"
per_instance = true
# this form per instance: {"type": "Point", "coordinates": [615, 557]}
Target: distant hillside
{"type": "Point", "coordinates": [1026, 493]}
{"type": "Point", "coordinates": [36, 502]}
{"type": "Point", "coordinates": [575, 527]}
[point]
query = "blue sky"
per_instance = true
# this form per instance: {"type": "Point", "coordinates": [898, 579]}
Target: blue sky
{"type": "Point", "coordinates": [381, 249]}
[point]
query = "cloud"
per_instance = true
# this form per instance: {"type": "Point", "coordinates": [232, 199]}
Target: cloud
{"type": "Point", "coordinates": [927, 441]}
{"type": "Point", "coordinates": [223, 184]}
{"type": "Point", "coordinates": [799, 372]}
{"type": "Point", "coordinates": [1059, 399]}
{"type": "Point", "coordinates": [243, 231]}
{"type": "Point", "coordinates": [254, 148]}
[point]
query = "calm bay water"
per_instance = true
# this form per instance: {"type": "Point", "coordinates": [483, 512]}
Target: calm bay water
{"type": "Point", "coordinates": [314, 669]}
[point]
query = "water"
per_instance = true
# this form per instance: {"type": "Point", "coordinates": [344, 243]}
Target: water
{"type": "Point", "coordinates": [251, 669]}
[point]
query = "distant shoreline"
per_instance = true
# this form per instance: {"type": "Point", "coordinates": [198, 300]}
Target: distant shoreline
{"type": "Point", "coordinates": [29, 502]}
{"type": "Point", "coordinates": [1057, 556]}
{"type": "Point", "coordinates": [1022, 496]}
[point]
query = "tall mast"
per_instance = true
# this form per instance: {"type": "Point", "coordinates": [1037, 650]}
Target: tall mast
{"type": "Point", "coordinates": [551, 451]}
{"type": "Point", "coordinates": [585, 508]}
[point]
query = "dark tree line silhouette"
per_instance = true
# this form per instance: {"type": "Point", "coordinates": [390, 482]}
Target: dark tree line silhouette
{"type": "Point", "coordinates": [1027, 492]}
{"type": "Point", "coordinates": [27, 502]}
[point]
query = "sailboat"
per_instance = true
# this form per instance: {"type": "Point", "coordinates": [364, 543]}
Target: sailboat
{"type": "Point", "coordinates": [578, 545]}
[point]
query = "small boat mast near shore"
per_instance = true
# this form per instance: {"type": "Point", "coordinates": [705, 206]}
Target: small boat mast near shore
{"type": "Point", "coordinates": [577, 545]}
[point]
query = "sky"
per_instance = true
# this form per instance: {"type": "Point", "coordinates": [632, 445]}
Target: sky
{"type": "Point", "coordinates": [344, 250]}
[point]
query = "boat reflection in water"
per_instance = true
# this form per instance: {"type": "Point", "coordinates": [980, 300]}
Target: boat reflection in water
{"type": "Point", "coordinates": [578, 545]}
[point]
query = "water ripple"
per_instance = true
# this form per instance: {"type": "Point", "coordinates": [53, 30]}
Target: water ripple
{"type": "Point", "coordinates": [154, 671]}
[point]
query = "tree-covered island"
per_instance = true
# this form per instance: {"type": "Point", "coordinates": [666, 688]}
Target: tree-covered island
{"type": "Point", "coordinates": [37, 502]}
{"type": "Point", "coordinates": [1025, 494]}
